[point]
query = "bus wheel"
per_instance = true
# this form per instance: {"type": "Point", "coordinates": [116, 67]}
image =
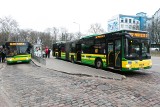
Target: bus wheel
{"type": "Point", "coordinates": [98, 64]}
{"type": "Point", "coordinates": [72, 59]}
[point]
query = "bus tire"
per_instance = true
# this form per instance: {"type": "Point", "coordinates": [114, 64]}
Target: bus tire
{"type": "Point", "coordinates": [98, 63]}
{"type": "Point", "coordinates": [72, 59]}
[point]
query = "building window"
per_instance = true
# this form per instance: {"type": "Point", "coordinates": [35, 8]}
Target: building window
{"type": "Point", "coordinates": [126, 26]}
{"type": "Point", "coordinates": [134, 27]}
{"type": "Point", "coordinates": [122, 26]}
{"type": "Point", "coordinates": [133, 21]}
{"type": "Point", "coordinates": [130, 21]}
{"type": "Point", "coordinates": [126, 20]}
{"type": "Point", "coordinates": [137, 22]}
{"type": "Point", "coordinates": [121, 20]}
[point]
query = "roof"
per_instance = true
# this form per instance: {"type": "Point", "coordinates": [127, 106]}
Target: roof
{"type": "Point", "coordinates": [125, 31]}
{"type": "Point", "coordinates": [90, 36]}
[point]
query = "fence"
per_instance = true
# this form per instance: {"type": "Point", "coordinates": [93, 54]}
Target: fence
{"type": "Point", "coordinates": [39, 59]}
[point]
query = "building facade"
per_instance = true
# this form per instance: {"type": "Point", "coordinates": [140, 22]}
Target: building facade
{"type": "Point", "coordinates": [155, 27]}
{"type": "Point", "coordinates": [127, 22]}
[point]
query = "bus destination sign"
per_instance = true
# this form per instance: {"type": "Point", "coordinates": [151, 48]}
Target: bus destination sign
{"type": "Point", "coordinates": [17, 43]}
{"type": "Point", "coordinates": [100, 36]}
{"type": "Point", "coordinates": [139, 35]}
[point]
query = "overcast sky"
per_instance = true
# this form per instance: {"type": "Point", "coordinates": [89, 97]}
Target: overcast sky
{"type": "Point", "coordinates": [41, 14]}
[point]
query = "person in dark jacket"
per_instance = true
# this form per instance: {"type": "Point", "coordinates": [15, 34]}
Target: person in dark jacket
{"type": "Point", "coordinates": [49, 51]}
{"type": "Point", "coordinates": [3, 54]}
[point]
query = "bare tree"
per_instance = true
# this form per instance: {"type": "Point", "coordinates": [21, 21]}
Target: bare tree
{"type": "Point", "coordinates": [96, 28]}
{"type": "Point", "coordinates": [8, 28]}
{"type": "Point", "coordinates": [54, 33]}
{"type": "Point", "coordinates": [22, 35]}
{"type": "Point", "coordinates": [63, 34]}
{"type": "Point", "coordinates": [154, 30]}
{"type": "Point", "coordinates": [78, 35]}
{"type": "Point", "coordinates": [46, 39]}
{"type": "Point", "coordinates": [33, 37]}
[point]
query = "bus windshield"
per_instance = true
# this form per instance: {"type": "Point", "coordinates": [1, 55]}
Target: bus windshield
{"type": "Point", "coordinates": [137, 49]}
{"type": "Point", "coordinates": [17, 50]}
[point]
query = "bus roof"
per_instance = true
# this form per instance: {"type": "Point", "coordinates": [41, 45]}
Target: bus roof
{"type": "Point", "coordinates": [90, 36]}
{"type": "Point", "coordinates": [120, 31]}
{"type": "Point", "coordinates": [126, 31]}
{"type": "Point", "coordinates": [16, 42]}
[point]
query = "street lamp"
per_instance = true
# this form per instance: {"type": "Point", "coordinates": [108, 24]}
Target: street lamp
{"type": "Point", "coordinates": [78, 26]}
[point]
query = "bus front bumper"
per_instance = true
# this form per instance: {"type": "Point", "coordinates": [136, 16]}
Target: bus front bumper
{"type": "Point", "coordinates": [18, 60]}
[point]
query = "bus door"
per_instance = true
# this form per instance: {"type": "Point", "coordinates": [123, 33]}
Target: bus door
{"type": "Point", "coordinates": [110, 59]}
{"type": "Point", "coordinates": [59, 51]}
{"type": "Point", "coordinates": [114, 53]}
{"type": "Point", "coordinates": [78, 52]}
{"type": "Point", "coordinates": [117, 53]}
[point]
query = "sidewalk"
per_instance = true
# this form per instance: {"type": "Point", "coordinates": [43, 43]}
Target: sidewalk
{"type": "Point", "coordinates": [1, 65]}
{"type": "Point", "coordinates": [77, 69]}
{"type": "Point", "coordinates": [3, 98]}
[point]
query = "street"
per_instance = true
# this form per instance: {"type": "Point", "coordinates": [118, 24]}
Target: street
{"type": "Point", "coordinates": [27, 85]}
{"type": "Point", "coordinates": [156, 64]}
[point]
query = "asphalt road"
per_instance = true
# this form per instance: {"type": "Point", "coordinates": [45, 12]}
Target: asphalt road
{"type": "Point", "coordinates": [156, 64]}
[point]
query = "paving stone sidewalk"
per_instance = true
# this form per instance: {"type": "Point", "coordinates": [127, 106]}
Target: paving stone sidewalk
{"type": "Point", "coordinates": [76, 69]}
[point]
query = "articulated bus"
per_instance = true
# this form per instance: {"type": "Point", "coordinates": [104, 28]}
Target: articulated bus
{"type": "Point", "coordinates": [58, 49]}
{"type": "Point", "coordinates": [17, 52]}
{"type": "Point", "coordinates": [123, 50]}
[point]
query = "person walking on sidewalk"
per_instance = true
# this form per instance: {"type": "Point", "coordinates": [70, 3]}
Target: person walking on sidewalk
{"type": "Point", "coordinates": [3, 54]}
{"type": "Point", "coordinates": [46, 51]}
{"type": "Point", "coordinates": [49, 51]}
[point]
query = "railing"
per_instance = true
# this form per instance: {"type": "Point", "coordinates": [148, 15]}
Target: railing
{"type": "Point", "coordinates": [39, 59]}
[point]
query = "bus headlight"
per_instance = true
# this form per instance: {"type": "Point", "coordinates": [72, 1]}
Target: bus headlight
{"type": "Point", "coordinates": [128, 65]}
{"type": "Point", "coordinates": [10, 59]}
{"type": "Point", "coordinates": [150, 63]}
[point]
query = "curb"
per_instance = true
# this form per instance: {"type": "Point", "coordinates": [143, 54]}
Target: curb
{"type": "Point", "coordinates": [77, 74]}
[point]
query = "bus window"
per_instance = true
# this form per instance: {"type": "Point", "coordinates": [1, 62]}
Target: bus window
{"type": "Point", "coordinates": [145, 48]}
{"type": "Point", "coordinates": [132, 49]}
{"type": "Point", "coordinates": [137, 49]}
{"type": "Point", "coordinates": [117, 45]}
{"type": "Point", "coordinates": [87, 46]}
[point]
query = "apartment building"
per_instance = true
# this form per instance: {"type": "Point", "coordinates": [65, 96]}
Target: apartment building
{"type": "Point", "coordinates": [128, 22]}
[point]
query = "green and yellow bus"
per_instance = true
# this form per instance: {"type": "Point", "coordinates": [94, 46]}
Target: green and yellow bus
{"type": "Point", "coordinates": [18, 52]}
{"type": "Point", "coordinates": [123, 50]}
{"type": "Point", "coordinates": [58, 49]}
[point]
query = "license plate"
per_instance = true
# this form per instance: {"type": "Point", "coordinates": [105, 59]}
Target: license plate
{"type": "Point", "coordinates": [141, 66]}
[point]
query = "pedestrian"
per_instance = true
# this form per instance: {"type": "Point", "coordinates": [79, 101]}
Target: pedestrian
{"type": "Point", "coordinates": [3, 54]}
{"type": "Point", "coordinates": [46, 51]}
{"type": "Point", "coordinates": [49, 53]}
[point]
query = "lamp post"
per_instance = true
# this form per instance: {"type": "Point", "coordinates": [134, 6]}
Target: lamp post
{"type": "Point", "coordinates": [78, 26]}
